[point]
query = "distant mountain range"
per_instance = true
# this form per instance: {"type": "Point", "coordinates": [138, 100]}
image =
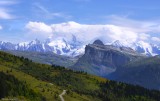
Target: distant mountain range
{"type": "Point", "coordinates": [74, 47]}
{"type": "Point", "coordinates": [59, 46]}
{"type": "Point", "coordinates": [145, 48]}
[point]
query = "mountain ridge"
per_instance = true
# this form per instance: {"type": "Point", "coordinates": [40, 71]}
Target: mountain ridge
{"type": "Point", "coordinates": [74, 48]}
{"type": "Point", "coordinates": [58, 46]}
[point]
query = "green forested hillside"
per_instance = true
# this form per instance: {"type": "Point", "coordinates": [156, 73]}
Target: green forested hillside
{"type": "Point", "coordinates": [47, 82]}
{"type": "Point", "coordinates": [11, 87]}
{"type": "Point", "coordinates": [144, 72]}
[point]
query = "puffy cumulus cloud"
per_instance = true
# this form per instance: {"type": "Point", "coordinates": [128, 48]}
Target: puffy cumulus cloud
{"type": "Point", "coordinates": [121, 33]}
{"type": "Point", "coordinates": [38, 29]}
{"type": "Point", "coordinates": [81, 31]}
{"type": "Point", "coordinates": [87, 33]}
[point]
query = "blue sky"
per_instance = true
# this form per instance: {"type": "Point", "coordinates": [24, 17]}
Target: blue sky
{"type": "Point", "coordinates": [16, 14]}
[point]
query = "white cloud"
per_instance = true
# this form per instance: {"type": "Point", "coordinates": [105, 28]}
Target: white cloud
{"type": "Point", "coordinates": [144, 36]}
{"type": "Point", "coordinates": [1, 27]}
{"type": "Point", "coordinates": [136, 25]}
{"type": "Point", "coordinates": [121, 33]}
{"type": "Point", "coordinates": [118, 28]}
{"type": "Point", "coordinates": [86, 33]}
{"type": "Point", "coordinates": [4, 14]}
{"type": "Point", "coordinates": [156, 39]}
{"type": "Point", "coordinates": [39, 29]}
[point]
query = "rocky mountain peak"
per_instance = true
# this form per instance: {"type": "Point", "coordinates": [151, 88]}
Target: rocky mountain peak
{"type": "Point", "coordinates": [98, 42]}
{"type": "Point", "coordinates": [103, 59]}
{"type": "Point", "coordinates": [117, 43]}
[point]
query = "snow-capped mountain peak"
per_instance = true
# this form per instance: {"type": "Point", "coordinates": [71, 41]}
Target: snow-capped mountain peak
{"type": "Point", "coordinates": [36, 41]}
{"type": "Point", "coordinates": [117, 43]}
{"type": "Point", "coordinates": [23, 44]}
{"type": "Point", "coordinates": [74, 47]}
{"type": "Point", "coordinates": [59, 46]}
{"type": "Point", "coordinates": [140, 47]}
{"type": "Point", "coordinates": [146, 47]}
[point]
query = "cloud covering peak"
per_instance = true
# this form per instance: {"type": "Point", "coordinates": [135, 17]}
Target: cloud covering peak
{"type": "Point", "coordinates": [88, 33]}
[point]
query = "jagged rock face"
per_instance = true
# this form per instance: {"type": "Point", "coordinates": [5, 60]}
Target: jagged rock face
{"type": "Point", "coordinates": [108, 58]}
{"type": "Point", "coordinates": [103, 59]}
{"type": "Point", "coordinates": [98, 42]}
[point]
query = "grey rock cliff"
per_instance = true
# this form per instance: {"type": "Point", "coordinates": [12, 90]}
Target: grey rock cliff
{"type": "Point", "coordinates": [103, 59]}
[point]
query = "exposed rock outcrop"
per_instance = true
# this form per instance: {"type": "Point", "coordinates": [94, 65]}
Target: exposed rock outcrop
{"type": "Point", "coordinates": [103, 59]}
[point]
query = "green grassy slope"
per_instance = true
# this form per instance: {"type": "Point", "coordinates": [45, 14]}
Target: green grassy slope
{"type": "Point", "coordinates": [10, 86]}
{"type": "Point", "coordinates": [50, 81]}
